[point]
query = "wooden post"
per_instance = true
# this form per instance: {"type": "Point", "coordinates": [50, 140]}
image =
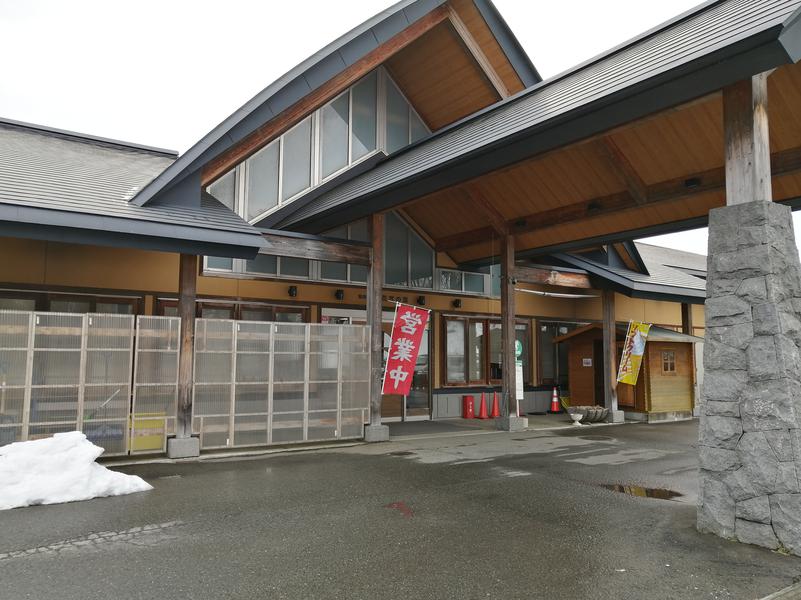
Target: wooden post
{"type": "Point", "coordinates": [610, 350]}
{"type": "Point", "coordinates": [187, 292]}
{"type": "Point", "coordinates": [687, 318]}
{"type": "Point", "coordinates": [745, 118]}
{"type": "Point", "coordinates": [508, 395]}
{"type": "Point", "coordinates": [375, 275]}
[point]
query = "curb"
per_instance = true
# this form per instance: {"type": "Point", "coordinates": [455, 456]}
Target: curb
{"type": "Point", "coordinates": [789, 593]}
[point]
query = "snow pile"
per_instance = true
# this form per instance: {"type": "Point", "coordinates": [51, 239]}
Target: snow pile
{"type": "Point", "coordinates": [61, 468]}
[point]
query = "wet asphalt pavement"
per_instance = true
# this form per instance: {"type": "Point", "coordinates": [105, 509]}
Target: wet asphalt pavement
{"type": "Point", "coordinates": [477, 516]}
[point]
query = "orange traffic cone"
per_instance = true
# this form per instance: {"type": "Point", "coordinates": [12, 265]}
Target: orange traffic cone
{"type": "Point", "coordinates": [496, 410]}
{"type": "Point", "coordinates": [555, 408]}
{"type": "Point", "coordinates": [482, 410]}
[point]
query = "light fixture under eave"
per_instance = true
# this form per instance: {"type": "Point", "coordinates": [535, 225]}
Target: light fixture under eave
{"type": "Point", "coordinates": [555, 294]}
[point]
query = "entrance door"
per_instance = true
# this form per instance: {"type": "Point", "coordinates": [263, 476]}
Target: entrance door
{"type": "Point", "coordinates": [417, 405]}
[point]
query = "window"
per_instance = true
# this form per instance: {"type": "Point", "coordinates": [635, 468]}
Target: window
{"type": "Point", "coordinates": [219, 263]}
{"type": "Point", "coordinates": [363, 135]}
{"type": "Point", "coordinates": [454, 350]}
{"type": "Point", "coordinates": [669, 361]}
{"type": "Point", "coordinates": [397, 119]}
{"type": "Point", "coordinates": [335, 270]}
{"type": "Point", "coordinates": [339, 134]}
{"type": "Point", "coordinates": [475, 350]}
{"type": "Point", "coordinates": [241, 312]}
{"type": "Point", "coordinates": [334, 127]}
{"type": "Point", "coordinates": [296, 162]}
{"type": "Point", "coordinates": [294, 267]}
{"type": "Point", "coordinates": [396, 251]}
{"type": "Point", "coordinates": [263, 264]}
{"type": "Point", "coordinates": [553, 357]}
{"type": "Point", "coordinates": [408, 260]}
{"type": "Point", "coordinates": [474, 353]}
{"type": "Point", "coordinates": [17, 304]}
{"type": "Point", "coordinates": [262, 176]}
{"type": "Point", "coordinates": [224, 189]}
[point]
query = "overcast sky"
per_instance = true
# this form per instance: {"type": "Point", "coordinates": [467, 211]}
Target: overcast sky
{"type": "Point", "coordinates": [165, 72]}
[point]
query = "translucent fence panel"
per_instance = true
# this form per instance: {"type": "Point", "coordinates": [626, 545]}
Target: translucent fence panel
{"type": "Point", "coordinates": [65, 372]}
{"type": "Point", "coordinates": [108, 366]}
{"type": "Point", "coordinates": [16, 344]}
{"type": "Point", "coordinates": [155, 390]}
{"type": "Point", "coordinates": [259, 383]}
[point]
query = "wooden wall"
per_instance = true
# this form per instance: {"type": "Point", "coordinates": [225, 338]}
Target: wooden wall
{"type": "Point", "coordinates": [670, 392]}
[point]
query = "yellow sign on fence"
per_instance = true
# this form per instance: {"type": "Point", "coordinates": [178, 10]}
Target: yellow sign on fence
{"type": "Point", "coordinates": [633, 350]}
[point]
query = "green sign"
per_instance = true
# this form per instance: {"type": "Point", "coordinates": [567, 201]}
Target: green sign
{"type": "Point", "coordinates": [518, 348]}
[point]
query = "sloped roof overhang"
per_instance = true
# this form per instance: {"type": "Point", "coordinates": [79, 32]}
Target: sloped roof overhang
{"type": "Point", "coordinates": [692, 56]}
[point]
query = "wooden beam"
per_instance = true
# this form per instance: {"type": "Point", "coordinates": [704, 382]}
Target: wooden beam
{"type": "Point", "coordinates": [509, 387]}
{"type": "Point", "coordinates": [474, 48]}
{"type": "Point", "coordinates": [550, 277]}
{"type": "Point", "coordinates": [315, 249]}
{"type": "Point", "coordinates": [485, 207]}
{"type": "Point", "coordinates": [375, 281]}
{"type": "Point", "coordinates": [610, 349]}
{"type": "Point", "coordinates": [621, 165]}
{"type": "Point", "coordinates": [318, 97]}
{"type": "Point", "coordinates": [786, 162]}
{"type": "Point", "coordinates": [187, 293]}
{"type": "Point", "coordinates": [745, 120]}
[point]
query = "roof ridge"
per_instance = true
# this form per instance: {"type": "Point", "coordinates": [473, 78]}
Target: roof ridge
{"type": "Point", "coordinates": [87, 138]}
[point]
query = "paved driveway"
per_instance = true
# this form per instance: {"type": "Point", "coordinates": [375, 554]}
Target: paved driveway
{"type": "Point", "coordinates": [487, 515]}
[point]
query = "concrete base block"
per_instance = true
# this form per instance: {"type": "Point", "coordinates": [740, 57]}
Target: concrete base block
{"type": "Point", "coordinates": [376, 433]}
{"type": "Point", "coordinates": [511, 423]}
{"type": "Point", "coordinates": [616, 416]}
{"type": "Point", "coordinates": [183, 447]}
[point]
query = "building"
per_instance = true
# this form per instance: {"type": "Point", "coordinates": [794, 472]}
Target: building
{"type": "Point", "coordinates": [419, 159]}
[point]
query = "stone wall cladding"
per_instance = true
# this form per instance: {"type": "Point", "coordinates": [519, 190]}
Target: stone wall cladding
{"type": "Point", "coordinates": [750, 431]}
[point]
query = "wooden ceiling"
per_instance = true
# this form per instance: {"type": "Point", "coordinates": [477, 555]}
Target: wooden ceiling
{"type": "Point", "coordinates": [440, 78]}
{"type": "Point", "coordinates": [666, 168]}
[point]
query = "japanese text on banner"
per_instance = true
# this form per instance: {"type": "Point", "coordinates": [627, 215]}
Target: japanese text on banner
{"type": "Point", "coordinates": [407, 335]}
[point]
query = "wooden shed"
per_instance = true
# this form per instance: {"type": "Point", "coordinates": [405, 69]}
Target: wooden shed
{"type": "Point", "coordinates": [665, 388]}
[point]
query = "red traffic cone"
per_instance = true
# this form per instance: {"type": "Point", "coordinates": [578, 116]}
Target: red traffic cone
{"type": "Point", "coordinates": [496, 410]}
{"type": "Point", "coordinates": [482, 410]}
{"type": "Point", "coordinates": [555, 407]}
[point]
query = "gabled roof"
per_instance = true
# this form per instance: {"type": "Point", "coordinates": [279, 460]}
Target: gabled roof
{"type": "Point", "coordinates": [670, 257]}
{"type": "Point", "coordinates": [713, 45]}
{"type": "Point", "coordinates": [316, 70]}
{"type": "Point", "coordinates": [63, 186]}
{"type": "Point", "coordinates": [665, 278]}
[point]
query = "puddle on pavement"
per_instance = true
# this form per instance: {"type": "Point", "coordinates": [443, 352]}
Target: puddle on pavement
{"type": "Point", "coordinates": [595, 438]}
{"type": "Point", "coordinates": [401, 453]}
{"type": "Point", "coordinates": [643, 492]}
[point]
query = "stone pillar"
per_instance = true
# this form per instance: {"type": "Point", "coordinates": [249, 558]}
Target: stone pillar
{"type": "Point", "coordinates": [750, 430]}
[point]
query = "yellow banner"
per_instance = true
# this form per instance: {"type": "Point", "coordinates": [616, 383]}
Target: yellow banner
{"type": "Point", "coordinates": [633, 350]}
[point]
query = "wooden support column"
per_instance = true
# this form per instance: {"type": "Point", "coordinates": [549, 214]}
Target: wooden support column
{"type": "Point", "coordinates": [375, 432]}
{"type": "Point", "coordinates": [187, 293]}
{"type": "Point", "coordinates": [508, 397]}
{"type": "Point", "coordinates": [687, 318]}
{"type": "Point", "coordinates": [610, 350]}
{"type": "Point", "coordinates": [745, 117]}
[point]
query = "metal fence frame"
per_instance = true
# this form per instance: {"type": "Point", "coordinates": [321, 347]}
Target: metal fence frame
{"type": "Point", "coordinates": [159, 337]}
{"type": "Point", "coordinates": [115, 377]}
{"type": "Point", "coordinates": [53, 343]}
{"type": "Point", "coordinates": [218, 381]}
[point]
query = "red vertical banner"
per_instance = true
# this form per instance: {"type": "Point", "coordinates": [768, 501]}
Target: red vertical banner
{"type": "Point", "coordinates": [407, 334]}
